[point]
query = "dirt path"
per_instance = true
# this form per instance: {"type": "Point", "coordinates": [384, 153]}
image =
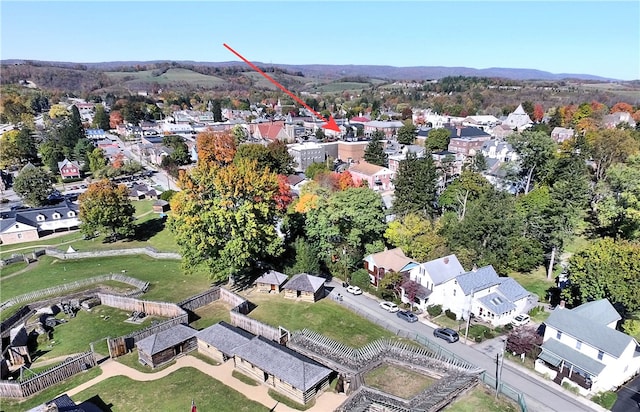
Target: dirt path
{"type": "Point", "coordinates": [328, 401]}
{"type": "Point", "coordinates": [21, 271]}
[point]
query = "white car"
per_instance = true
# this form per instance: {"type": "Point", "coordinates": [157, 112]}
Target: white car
{"type": "Point", "coordinates": [389, 306]}
{"type": "Point", "coordinates": [354, 290]}
{"type": "Point", "coordinates": [520, 320]}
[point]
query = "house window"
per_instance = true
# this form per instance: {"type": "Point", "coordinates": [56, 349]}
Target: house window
{"type": "Point", "coordinates": [40, 218]}
{"type": "Point", "coordinates": [600, 355]}
{"type": "Point", "coordinates": [56, 215]}
{"type": "Point", "coordinates": [578, 344]}
{"type": "Point", "coordinates": [559, 335]}
{"type": "Point", "coordinates": [454, 292]}
{"type": "Point", "coordinates": [71, 213]}
{"type": "Point", "coordinates": [19, 235]}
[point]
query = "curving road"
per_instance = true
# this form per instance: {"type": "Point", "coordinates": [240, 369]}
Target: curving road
{"type": "Point", "coordinates": [541, 395]}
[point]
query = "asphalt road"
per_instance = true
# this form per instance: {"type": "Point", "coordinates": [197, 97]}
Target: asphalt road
{"type": "Point", "coordinates": [628, 397]}
{"type": "Point", "coordinates": [539, 395]}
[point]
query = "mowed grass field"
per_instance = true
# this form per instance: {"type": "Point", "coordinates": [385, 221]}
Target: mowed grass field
{"type": "Point", "coordinates": [151, 231]}
{"type": "Point", "coordinates": [176, 75]}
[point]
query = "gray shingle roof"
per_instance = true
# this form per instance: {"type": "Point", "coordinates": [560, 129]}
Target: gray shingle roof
{"type": "Point", "coordinates": [480, 279]}
{"type": "Point", "coordinates": [164, 340]}
{"type": "Point", "coordinates": [511, 289]}
{"type": "Point", "coordinates": [573, 356]}
{"type": "Point", "coordinates": [305, 283]}
{"type": "Point", "coordinates": [496, 303]}
{"type": "Point", "coordinates": [443, 269]}
{"type": "Point", "coordinates": [588, 331]}
{"type": "Point", "coordinates": [272, 277]}
{"type": "Point", "coordinates": [599, 311]}
{"type": "Point", "coordinates": [224, 337]}
{"type": "Point", "coordinates": [283, 363]}
{"type": "Point", "coordinates": [29, 216]}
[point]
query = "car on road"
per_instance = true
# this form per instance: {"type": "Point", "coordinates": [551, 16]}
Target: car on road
{"type": "Point", "coordinates": [447, 334]}
{"type": "Point", "coordinates": [389, 306]}
{"type": "Point", "coordinates": [354, 290]}
{"type": "Point", "coordinates": [406, 315]}
{"type": "Point", "coordinates": [521, 320]}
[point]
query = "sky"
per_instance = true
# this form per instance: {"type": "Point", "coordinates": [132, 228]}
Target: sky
{"type": "Point", "coordinates": [581, 37]}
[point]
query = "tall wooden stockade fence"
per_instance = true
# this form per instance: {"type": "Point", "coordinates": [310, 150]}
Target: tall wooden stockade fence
{"type": "Point", "coordinates": [52, 376]}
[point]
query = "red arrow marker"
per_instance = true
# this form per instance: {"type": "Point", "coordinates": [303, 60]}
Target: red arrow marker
{"type": "Point", "coordinates": [331, 122]}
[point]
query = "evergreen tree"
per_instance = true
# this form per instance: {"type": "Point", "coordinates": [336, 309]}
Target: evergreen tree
{"type": "Point", "coordinates": [415, 186]}
{"type": "Point", "coordinates": [101, 119]}
{"type": "Point", "coordinates": [374, 153]}
{"type": "Point", "coordinates": [216, 109]}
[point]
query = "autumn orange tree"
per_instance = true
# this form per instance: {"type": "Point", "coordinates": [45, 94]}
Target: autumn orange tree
{"type": "Point", "coordinates": [105, 207]}
{"type": "Point", "coordinates": [215, 148]}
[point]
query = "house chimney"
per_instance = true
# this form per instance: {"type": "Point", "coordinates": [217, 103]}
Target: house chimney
{"type": "Point", "coordinates": [474, 268]}
{"type": "Point", "coordinates": [458, 131]}
{"type": "Point", "coordinates": [446, 260]}
{"type": "Point", "coordinates": [561, 305]}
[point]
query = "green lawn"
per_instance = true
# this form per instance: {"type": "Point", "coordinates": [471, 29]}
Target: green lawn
{"type": "Point", "coordinates": [397, 380]}
{"type": "Point", "coordinates": [211, 314]}
{"type": "Point", "coordinates": [174, 75]}
{"type": "Point", "coordinates": [150, 231]}
{"type": "Point", "coordinates": [11, 405]}
{"type": "Point", "coordinates": [171, 393]}
{"type": "Point", "coordinates": [166, 279]}
{"type": "Point", "coordinates": [325, 317]}
{"type": "Point", "coordinates": [535, 282]}
{"type": "Point", "coordinates": [75, 335]}
{"type": "Point", "coordinates": [481, 399]}
{"type": "Point", "coordinates": [11, 269]}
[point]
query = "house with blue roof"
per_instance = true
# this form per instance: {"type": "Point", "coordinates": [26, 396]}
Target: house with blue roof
{"type": "Point", "coordinates": [481, 292]}
{"type": "Point", "coordinates": [582, 347]}
{"type": "Point", "coordinates": [31, 224]}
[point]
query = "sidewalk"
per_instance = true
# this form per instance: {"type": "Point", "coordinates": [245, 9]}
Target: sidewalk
{"type": "Point", "coordinates": [325, 402]}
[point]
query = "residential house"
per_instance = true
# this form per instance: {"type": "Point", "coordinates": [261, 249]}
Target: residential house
{"type": "Point", "coordinates": [560, 134]}
{"type": "Point", "coordinates": [395, 159]}
{"type": "Point", "coordinates": [466, 140]}
{"type": "Point", "coordinates": [296, 181]}
{"type": "Point", "coordinates": [69, 169]}
{"type": "Point", "coordinates": [581, 346]}
{"type": "Point", "coordinates": [379, 264]}
{"type": "Point", "coordinates": [377, 177]}
{"type": "Point", "coordinates": [270, 131]}
{"type": "Point", "coordinates": [612, 120]}
{"type": "Point", "coordinates": [307, 153]}
{"type": "Point", "coordinates": [31, 224]}
{"type": "Point", "coordinates": [450, 165]}
{"type": "Point", "coordinates": [306, 287]}
{"type": "Point", "coordinates": [271, 281]}
{"type": "Point", "coordinates": [518, 119]}
{"type": "Point", "coordinates": [484, 122]}
{"type": "Point", "coordinates": [482, 292]}
{"type": "Point", "coordinates": [164, 346]}
{"type": "Point", "coordinates": [95, 134]}
{"type": "Point", "coordinates": [501, 131]}
{"type": "Point", "coordinates": [432, 276]}
{"type": "Point", "coordinates": [140, 192]}
{"type": "Point", "coordinates": [499, 150]}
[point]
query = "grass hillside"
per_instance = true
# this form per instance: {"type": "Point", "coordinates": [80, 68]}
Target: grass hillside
{"type": "Point", "coordinates": [175, 75]}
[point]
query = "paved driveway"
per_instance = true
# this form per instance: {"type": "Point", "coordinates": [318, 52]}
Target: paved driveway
{"type": "Point", "coordinates": [628, 397]}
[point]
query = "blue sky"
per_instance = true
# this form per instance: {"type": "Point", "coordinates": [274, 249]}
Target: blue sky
{"type": "Point", "coordinates": [593, 37]}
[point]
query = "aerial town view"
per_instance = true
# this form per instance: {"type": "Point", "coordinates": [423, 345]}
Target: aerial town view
{"type": "Point", "coordinates": [320, 206]}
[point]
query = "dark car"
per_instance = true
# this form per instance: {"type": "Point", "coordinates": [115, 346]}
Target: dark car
{"type": "Point", "coordinates": [447, 334]}
{"type": "Point", "coordinates": [408, 316]}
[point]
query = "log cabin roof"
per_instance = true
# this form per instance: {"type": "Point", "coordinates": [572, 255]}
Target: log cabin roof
{"type": "Point", "coordinates": [166, 339]}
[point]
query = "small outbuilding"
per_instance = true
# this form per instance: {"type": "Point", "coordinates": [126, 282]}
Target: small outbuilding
{"type": "Point", "coordinates": [160, 206]}
{"type": "Point", "coordinates": [219, 341]}
{"type": "Point", "coordinates": [305, 287]}
{"type": "Point", "coordinates": [271, 281]}
{"type": "Point", "coordinates": [18, 351]}
{"type": "Point", "coordinates": [164, 346]}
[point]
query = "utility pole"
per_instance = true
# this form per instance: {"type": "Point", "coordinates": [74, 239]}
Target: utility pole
{"type": "Point", "coordinates": [466, 332]}
{"type": "Point", "coordinates": [499, 363]}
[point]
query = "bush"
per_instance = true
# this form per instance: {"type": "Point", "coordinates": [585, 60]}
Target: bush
{"type": "Point", "coordinates": [536, 310]}
{"type": "Point", "coordinates": [508, 326]}
{"type": "Point", "coordinates": [361, 278]}
{"type": "Point", "coordinates": [478, 339]}
{"type": "Point", "coordinates": [450, 315]}
{"type": "Point", "coordinates": [605, 399]}
{"type": "Point", "coordinates": [167, 195]}
{"type": "Point", "coordinates": [570, 387]}
{"type": "Point", "coordinates": [488, 334]}
{"type": "Point", "coordinates": [434, 310]}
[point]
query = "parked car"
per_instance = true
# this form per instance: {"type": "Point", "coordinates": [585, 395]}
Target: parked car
{"type": "Point", "coordinates": [406, 315]}
{"type": "Point", "coordinates": [389, 306]}
{"type": "Point", "coordinates": [354, 290]}
{"type": "Point", "coordinates": [520, 320]}
{"type": "Point", "coordinates": [447, 334]}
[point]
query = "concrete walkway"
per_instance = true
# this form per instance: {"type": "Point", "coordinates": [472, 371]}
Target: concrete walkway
{"type": "Point", "coordinates": [327, 401]}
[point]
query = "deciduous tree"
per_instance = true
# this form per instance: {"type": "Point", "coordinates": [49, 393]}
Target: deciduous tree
{"type": "Point", "coordinates": [215, 148]}
{"type": "Point", "coordinates": [469, 186]}
{"type": "Point", "coordinates": [437, 140]}
{"type": "Point", "coordinates": [535, 150]}
{"type": "Point", "coordinates": [418, 237]}
{"type": "Point", "coordinates": [105, 207]}
{"type": "Point", "coordinates": [407, 133]}
{"type": "Point", "coordinates": [115, 118]}
{"type": "Point", "coordinates": [33, 185]}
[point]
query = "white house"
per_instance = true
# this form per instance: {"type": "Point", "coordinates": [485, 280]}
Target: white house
{"type": "Point", "coordinates": [482, 292]}
{"type": "Point", "coordinates": [582, 347]}
{"type": "Point", "coordinates": [518, 119]}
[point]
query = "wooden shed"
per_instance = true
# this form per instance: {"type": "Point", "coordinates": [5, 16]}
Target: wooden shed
{"type": "Point", "coordinates": [271, 281]}
{"type": "Point", "coordinates": [160, 206]}
{"type": "Point", "coordinates": [18, 351]}
{"type": "Point", "coordinates": [282, 369]}
{"type": "Point", "coordinates": [305, 287]}
{"type": "Point", "coordinates": [164, 346]}
{"type": "Point", "coordinates": [220, 340]}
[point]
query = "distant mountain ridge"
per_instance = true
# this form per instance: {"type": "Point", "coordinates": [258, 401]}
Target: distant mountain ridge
{"type": "Point", "coordinates": [338, 71]}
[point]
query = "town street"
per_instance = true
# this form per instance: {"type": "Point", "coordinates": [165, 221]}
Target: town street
{"type": "Point", "coordinates": [540, 394]}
